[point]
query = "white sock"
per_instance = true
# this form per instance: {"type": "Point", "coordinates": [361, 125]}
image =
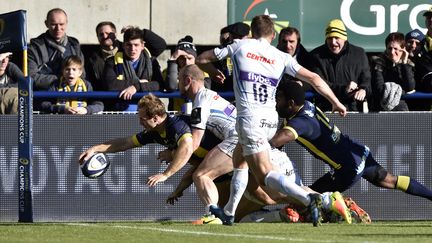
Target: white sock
{"type": "Point", "coordinates": [263, 216]}
{"type": "Point", "coordinates": [280, 183]}
{"type": "Point", "coordinates": [326, 200]}
{"type": "Point", "coordinates": [239, 182]}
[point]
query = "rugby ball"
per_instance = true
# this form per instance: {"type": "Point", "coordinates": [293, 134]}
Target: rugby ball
{"type": "Point", "coordinates": [96, 166]}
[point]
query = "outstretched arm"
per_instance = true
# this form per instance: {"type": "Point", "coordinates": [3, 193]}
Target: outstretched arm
{"type": "Point", "coordinates": [204, 61]}
{"type": "Point", "coordinates": [322, 87]}
{"type": "Point", "coordinates": [112, 146]}
{"type": "Point", "coordinates": [180, 158]}
{"type": "Point", "coordinates": [184, 183]}
{"type": "Point", "coordinates": [282, 137]}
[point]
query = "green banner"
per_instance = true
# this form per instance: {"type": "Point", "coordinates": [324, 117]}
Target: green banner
{"type": "Point", "coordinates": [368, 22]}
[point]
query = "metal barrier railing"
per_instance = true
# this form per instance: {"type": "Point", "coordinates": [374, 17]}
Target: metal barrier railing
{"type": "Point", "coordinates": [176, 94]}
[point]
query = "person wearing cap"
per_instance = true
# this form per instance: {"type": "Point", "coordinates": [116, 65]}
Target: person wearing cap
{"type": "Point", "coordinates": [423, 63]}
{"type": "Point", "coordinates": [289, 41]}
{"type": "Point", "coordinates": [232, 32]}
{"type": "Point", "coordinates": [9, 76]}
{"type": "Point", "coordinates": [131, 70]}
{"type": "Point", "coordinates": [414, 39]}
{"type": "Point", "coordinates": [229, 34]}
{"type": "Point", "coordinates": [392, 75]}
{"type": "Point", "coordinates": [184, 54]}
{"type": "Point", "coordinates": [344, 66]}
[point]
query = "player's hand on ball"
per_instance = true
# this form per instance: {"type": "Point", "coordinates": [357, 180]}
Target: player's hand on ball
{"type": "Point", "coordinates": [155, 179]}
{"type": "Point", "coordinates": [174, 197]}
{"type": "Point", "coordinates": [86, 155]}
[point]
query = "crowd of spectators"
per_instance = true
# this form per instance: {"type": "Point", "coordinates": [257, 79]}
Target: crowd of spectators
{"type": "Point", "coordinates": [361, 83]}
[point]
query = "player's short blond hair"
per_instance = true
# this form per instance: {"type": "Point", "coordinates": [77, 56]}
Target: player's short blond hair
{"type": "Point", "coordinates": [151, 105]}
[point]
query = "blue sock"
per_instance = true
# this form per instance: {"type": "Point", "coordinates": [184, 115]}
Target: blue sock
{"type": "Point", "coordinates": [413, 187]}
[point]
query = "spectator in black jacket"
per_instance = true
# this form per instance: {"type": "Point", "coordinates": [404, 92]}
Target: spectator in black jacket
{"type": "Point", "coordinates": [344, 66]}
{"type": "Point", "coordinates": [48, 50]}
{"type": "Point", "coordinates": [9, 76]}
{"type": "Point", "coordinates": [109, 45]}
{"type": "Point", "coordinates": [392, 75]}
{"type": "Point", "coordinates": [290, 42]}
{"type": "Point", "coordinates": [132, 70]}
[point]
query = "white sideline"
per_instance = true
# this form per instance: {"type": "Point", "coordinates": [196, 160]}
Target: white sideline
{"type": "Point", "coordinates": [265, 237]}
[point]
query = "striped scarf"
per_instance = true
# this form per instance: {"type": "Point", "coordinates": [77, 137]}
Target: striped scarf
{"type": "Point", "coordinates": [79, 86]}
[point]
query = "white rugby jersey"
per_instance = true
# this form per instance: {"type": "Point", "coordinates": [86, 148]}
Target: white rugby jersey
{"type": "Point", "coordinates": [258, 68]}
{"type": "Point", "coordinates": [212, 112]}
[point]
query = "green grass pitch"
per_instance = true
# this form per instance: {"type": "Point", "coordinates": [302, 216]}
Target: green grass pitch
{"type": "Point", "coordinates": [178, 232]}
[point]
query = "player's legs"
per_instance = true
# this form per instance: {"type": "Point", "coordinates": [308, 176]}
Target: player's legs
{"type": "Point", "coordinates": [377, 175]}
{"type": "Point", "coordinates": [340, 180]}
{"type": "Point", "coordinates": [215, 164]}
{"type": "Point", "coordinates": [239, 182]}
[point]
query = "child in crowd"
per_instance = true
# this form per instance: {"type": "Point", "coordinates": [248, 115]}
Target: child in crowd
{"type": "Point", "coordinates": [70, 81]}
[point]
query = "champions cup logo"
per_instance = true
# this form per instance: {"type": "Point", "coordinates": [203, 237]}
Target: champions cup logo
{"type": "Point", "coordinates": [24, 161]}
{"type": "Point", "coordinates": [2, 26]}
{"type": "Point", "coordinates": [23, 92]}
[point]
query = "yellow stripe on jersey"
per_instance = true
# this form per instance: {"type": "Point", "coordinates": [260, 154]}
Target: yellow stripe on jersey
{"type": "Point", "coordinates": [135, 141]}
{"type": "Point", "coordinates": [184, 136]}
{"type": "Point", "coordinates": [323, 118]}
{"type": "Point", "coordinates": [200, 152]}
{"type": "Point", "coordinates": [319, 153]}
{"type": "Point", "coordinates": [292, 130]}
{"type": "Point", "coordinates": [403, 183]}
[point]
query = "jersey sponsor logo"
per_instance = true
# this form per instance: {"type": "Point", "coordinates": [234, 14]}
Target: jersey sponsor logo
{"type": "Point", "coordinates": [259, 58]}
{"type": "Point", "coordinates": [258, 78]}
{"type": "Point", "coordinates": [229, 109]}
{"type": "Point", "coordinates": [268, 124]}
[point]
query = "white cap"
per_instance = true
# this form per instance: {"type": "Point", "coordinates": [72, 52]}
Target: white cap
{"type": "Point", "coordinates": [4, 55]}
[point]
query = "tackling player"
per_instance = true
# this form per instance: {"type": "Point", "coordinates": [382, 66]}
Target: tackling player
{"type": "Point", "coordinates": [258, 68]}
{"type": "Point", "coordinates": [349, 160]}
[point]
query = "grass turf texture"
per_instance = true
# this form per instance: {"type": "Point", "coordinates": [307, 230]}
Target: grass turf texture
{"type": "Point", "coordinates": [383, 231]}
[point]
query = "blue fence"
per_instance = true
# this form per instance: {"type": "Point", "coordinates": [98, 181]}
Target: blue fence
{"type": "Point", "coordinates": [115, 94]}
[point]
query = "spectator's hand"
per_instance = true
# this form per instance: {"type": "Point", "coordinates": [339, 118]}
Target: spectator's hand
{"type": "Point", "coordinates": [165, 156]}
{"type": "Point", "coordinates": [77, 110]}
{"type": "Point", "coordinates": [127, 93]}
{"type": "Point", "coordinates": [404, 56]}
{"type": "Point", "coordinates": [360, 95]}
{"type": "Point", "coordinates": [155, 179]}
{"type": "Point", "coordinates": [178, 53]}
{"type": "Point", "coordinates": [173, 197]}
{"type": "Point", "coordinates": [340, 108]}
{"type": "Point", "coordinates": [351, 87]}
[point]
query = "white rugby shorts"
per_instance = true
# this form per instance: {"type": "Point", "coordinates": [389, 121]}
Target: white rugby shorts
{"type": "Point", "coordinates": [228, 145]}
{"type": "Point", "coordinates": [255, 131]}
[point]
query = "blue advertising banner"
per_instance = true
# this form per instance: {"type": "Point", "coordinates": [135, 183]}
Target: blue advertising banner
{"type": "Point", "coordinates": [13, 31]}
{"type": "Point", "coordinates": [13, 37]}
